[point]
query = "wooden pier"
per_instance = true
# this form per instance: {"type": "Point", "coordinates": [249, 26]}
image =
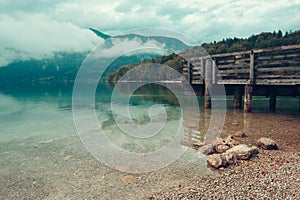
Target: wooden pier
{"type": "Point", "coordinates": [263, 72]}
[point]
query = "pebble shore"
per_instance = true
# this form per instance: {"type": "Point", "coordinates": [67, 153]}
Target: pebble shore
{"type": "Point", "coordinates": [269, 175]}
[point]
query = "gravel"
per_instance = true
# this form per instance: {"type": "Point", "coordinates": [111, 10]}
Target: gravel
{"type": "Point", "coordinates": [269, 175]}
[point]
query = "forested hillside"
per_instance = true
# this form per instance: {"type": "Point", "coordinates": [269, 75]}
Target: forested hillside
{"type": "Point", "coordinates": [262, 40]}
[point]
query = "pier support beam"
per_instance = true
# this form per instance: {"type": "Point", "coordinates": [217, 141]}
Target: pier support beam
{"type": "Point", "coordinates": [207, 99]}
{"type": "Point", "coordinates": [237, 101]}
{"type": "Point", "coordinates": [248, 98]}
{"type": "Point", "coordinates": [208, 83]}
{"type": "Point", "coordinates": [299, 103]}
{"type": "Point", "coordinates": [272, 101]}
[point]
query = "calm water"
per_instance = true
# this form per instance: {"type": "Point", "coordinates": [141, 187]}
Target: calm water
{"type": "Point", "coordinates": [42, 156]}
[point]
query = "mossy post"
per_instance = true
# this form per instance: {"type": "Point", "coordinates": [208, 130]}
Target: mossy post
{"type": "Point", "coordinates": [249, 86]}
{"type": "Point", "coordinates": [237, 101]}
{"type": "Point", "coordinates": [272, 101]}
{"type": "Point", "coordinates": [248, 98]}
{"type": "Point", "coordinates": [208, 83]}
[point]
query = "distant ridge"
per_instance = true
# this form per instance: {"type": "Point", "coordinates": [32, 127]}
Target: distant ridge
{"type": "Point", "coordinates": [100, 34]}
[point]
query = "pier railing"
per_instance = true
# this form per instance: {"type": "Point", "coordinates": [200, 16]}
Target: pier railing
{"type": "Point", "coordinates": [278, 65]}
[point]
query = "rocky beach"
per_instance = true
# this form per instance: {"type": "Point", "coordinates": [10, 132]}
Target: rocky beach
{"type": "Point", "coordinates": [269, 174]}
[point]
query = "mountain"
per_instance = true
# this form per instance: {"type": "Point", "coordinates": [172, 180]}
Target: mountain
{"type": "Point", "coordinates": [100, 34]}
{"type": "Point", "coordinates": [63, 66]}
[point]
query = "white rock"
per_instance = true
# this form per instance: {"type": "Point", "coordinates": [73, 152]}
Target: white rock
{"type": "Point", "coordinates": [242, 151]}
{"type": "Point", "coordinates": [220, 148]}
{"type": "Point", "coordinates": [267, 143]}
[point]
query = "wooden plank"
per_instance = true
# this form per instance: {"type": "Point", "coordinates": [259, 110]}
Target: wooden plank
{"type": "Point", "coordinates": [196, 64]}
{"type": "Point", "coordinates": [197, 77]}
{"type": "Point", "coordinates": [233, 82]}
{"type": "Point", "coordinates": [197, 82]}
{"type": "Point", "coordinates": [291, 82]}
{"type": "Point", "coordinates": [272, 63]}
{"type": "Point", "coordinates": [234, 71]}
{"type": "Point", "coordinates": [229, 61]}
{"type": "Point", "coordinates": [242, 66]}
{"type": "Point", "coordinates": [271, 76]}
{"type": "Point", "coordinates": [278, 82]}
{"type": "Point", "coordinates": [240, 53]}
{"type": "Point", "coordinates": [196, 73]}
{"type": "Point", "coordinates": [274, 54]}
{"type": "Point", "coordinates": [247, 52]}
{"type": "Point", "coordinates": [233, 61]}
{"type": "Point", "coordinates": [279, 56]}
{"type": "Point", "coordinates": [281, 48]}
{"type": "Point", "coordinates": [278, 69]}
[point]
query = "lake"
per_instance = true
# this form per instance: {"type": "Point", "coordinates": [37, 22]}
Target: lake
{"type": "Point", "coordinates": [43, 157]}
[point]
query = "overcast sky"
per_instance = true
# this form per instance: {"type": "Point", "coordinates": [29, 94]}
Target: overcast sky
{"type": "Point", "coordinates": [37, 28]}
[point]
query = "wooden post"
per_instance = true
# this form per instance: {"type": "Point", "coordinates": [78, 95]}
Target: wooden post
{"type": "Point", "coordinates": [202, 70]}
{"type": "Point", "coordinates": [189, 73]}
{"type": "Point", "coordinates": [272, 101]}
{"type": "Point", "coordinates": [248, 98]}
{"type": "Point", "coordinates": [214, 71]}
{"type": "Point", "coordinates": [208, 83]}
{"type": "Point", "coordinates": [251, 74]}
{"type": "Point", "coordinates": [237, 101]}
{"type": "Point", "coordinates": [299, 103]}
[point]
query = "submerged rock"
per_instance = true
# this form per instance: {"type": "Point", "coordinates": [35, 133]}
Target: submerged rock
{"type": "Point", "coordinates": [230, 158]}
{"type": "Point", "coordinates": [230, 141]}
{"type": "Point", "coordinates": [221, 160]}
{"type": "Point", "coordinates": [243, 152]}
{"type": "Point", "coordinates": [207, 149]}
{"type": "Point", "coordinates": [267, 143]}
{"type": "Point", "coordinates": [216, 160]}
{"type": "Point", "coordinates": [220, 148]}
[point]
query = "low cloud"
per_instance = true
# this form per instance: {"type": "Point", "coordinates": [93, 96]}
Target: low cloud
{"type": "Point", "coordinates": [26, 37]}
{"type": "Point", "coordinates": [127, 46]}
{"type": "Point", "coordinates": [38, 28]}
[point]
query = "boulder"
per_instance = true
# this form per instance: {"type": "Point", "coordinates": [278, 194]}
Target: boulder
{"type": "Point", "coordinates": [242, 151]}
{"type": "Point", "coordinates": [220, 148]}
{"type": "Point", "coordinates": [267, 143]}
{"type": "Point", "coordinates": [230, 141]}
{"type": "Point", "coordinates": [216, 160]}
{"type": "Point", "coordinates": [230, 158]}
{"type": "Point", "coordinates": [207, 149]}
{"type": "Point", "coordinates": [240, 134]}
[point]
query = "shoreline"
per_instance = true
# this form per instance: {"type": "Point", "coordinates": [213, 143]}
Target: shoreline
{"type": "Point", "coordinates": [268, 175]}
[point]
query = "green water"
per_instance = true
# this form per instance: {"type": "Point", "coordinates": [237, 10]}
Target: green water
{"type": "Point", "coordinates": [42, 156]}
